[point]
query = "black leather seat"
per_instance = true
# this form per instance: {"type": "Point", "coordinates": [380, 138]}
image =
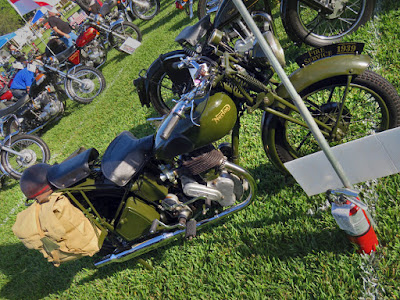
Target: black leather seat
{"type": "Point", "coordinates": [72, 170]}
{"type": "Point", "coordinates": [125, 156]}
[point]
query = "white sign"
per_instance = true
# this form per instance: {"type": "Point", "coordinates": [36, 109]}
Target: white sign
{"type": "Point", "coordinates": [130, 45]}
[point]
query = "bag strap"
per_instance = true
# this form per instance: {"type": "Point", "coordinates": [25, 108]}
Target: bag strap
{"type": "Point", "coordinates": [49, 246]}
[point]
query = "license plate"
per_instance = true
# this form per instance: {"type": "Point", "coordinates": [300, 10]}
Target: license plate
{"type": "Point", "coordinates": [327, 51]}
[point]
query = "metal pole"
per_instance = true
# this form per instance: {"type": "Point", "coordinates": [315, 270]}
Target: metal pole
{"type": "Point", "coordinates": [293, 93]}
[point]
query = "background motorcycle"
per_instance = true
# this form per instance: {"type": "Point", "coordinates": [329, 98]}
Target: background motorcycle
{"type": "Point", "coordinates": [34, 111]}
{"type": "Point", "coordinates": [18, 152]}
{"type": "Point", "coordinates": [339, 91]}
{"type": "Point", "coordinates": [313, 22]}
{"type": "Point", "coordinates": [146, 192]}
{"type": "Point", "coordinates": [96, 35]}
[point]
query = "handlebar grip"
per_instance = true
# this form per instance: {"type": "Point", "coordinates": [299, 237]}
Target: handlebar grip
{"type": "Point", "coordinates": [170, 126]}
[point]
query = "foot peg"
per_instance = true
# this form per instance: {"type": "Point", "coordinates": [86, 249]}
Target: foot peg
{"type": "Point", "coordinates": [190, 231]}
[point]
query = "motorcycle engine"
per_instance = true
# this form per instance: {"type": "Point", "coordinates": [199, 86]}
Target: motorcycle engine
{"type": "Point", "coordinates": [47, 105]}
{"type": "Point", "coordinates": [247, 43]}
{"type": "Point", "coordinates": [216, 184]}
{"type": "Point", "coordinates": [93, 53]}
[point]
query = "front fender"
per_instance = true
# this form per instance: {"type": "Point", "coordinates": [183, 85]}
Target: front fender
{"type": "Point", "coordinates": [325, 68]}
{"type": "Point", "coordinates": [302, 78]}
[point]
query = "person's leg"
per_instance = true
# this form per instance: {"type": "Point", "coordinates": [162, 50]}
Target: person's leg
{"type": "Point", "coordinates": [18, 93]}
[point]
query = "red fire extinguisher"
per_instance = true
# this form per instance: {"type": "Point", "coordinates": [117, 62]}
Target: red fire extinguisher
{"type": "Point", "coordinates": [352, 216]}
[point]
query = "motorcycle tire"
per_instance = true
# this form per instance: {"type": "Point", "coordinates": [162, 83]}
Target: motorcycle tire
{"type": "Point", "coordinates": [372, 105]}
{"type": "Point", "coordinates": [204, 7]}
{"type": "Point", "coordinates": [127, 29]}
{"type": "Point", "coordinates": [305, 24]}
{"type": "Point", "coordinates": [94, 84]}
{"type": "Point", "coordinates": [162, 91]}
{"type": "Point", "coordinates": [145, 9]}
{"type": "Point", "coordinates": [34, 147]}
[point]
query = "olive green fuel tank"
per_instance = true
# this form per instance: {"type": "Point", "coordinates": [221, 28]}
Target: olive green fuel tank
{"type": "Point", "coordinates": [216, 116]}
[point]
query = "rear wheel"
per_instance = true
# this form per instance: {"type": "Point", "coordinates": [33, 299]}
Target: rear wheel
{"type": "Point", "coordinates": [371, 105]}
{"type": "Point", "coordinates": [125, 29]}
{"type": "Point", "coordinates": [32, 150]}
{"type": "Point", "coordinates": [162, 91]}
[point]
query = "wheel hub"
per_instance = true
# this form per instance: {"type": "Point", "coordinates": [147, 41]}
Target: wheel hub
{"type": "Point", "coordinates": [329, 114]}
{"type": "Point", "coordinates": [87, 86]}
{"type": "Point", "coordinates": [338, 8]}
{"type": "Point", "coordinates": [27, 158]}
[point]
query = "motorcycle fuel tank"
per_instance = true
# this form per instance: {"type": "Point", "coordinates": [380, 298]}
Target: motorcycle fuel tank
{"type": "Point", "coordinates": [86, 36]}
{"type": "Point", "coordinates": [216, 116]}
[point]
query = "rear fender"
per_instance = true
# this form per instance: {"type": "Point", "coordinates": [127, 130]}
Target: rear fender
{"type": "Point", "coordinates": [165, 62]}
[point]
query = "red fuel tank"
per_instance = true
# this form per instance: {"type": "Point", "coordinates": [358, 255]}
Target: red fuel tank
{"type": "Point", "coordinates": [86, 36]}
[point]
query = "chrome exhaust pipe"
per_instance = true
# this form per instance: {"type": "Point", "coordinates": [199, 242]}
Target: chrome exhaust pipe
{"type": "Point", "coordinates": [164, 238]}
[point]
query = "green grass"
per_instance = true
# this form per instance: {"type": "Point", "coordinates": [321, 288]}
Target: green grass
{"type": "Point", "coordinates": [274, 249]}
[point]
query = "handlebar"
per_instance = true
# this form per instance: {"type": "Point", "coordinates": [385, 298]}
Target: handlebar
{"type": "Point", "coordinates": [170, 126]}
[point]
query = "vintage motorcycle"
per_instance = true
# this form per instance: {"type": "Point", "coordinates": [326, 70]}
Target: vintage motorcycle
{"type": "Point", "coordinates": [346, 100]}
{"type": "Point", "coordinates": [32, 112]}
{"type": "Point", "coordinates": [20, 151]}
{"type": "Point", "coordinates": [46, 102]}
{"type": "Point", "coordinates": [146, 192]}
{"type": "Point", "coordinates": [313, 22]}
{"type": "Point", "coordinates": [96, 35]}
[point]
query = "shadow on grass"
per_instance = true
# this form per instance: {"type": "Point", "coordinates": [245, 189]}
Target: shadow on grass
{"type": "Point", "coordinates": [30, 276]}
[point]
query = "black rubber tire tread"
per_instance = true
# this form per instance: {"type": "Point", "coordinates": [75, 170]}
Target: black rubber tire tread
{"type": "Point", "coordinates": [5, 159]}
{"type": "Point", "coordinates": [126, 24]}
{"type": "Point", "coordinates": [367, 79]}
{"type": "Point", "coordinates": [137, 14]}
{"type": "Point", "coordinates": [71, 92]}
{"type": "Point", "coordinates": [201, 9]}
{"type": "Point", "coordinates": [296, 31]}
{"type": "Point", "coordinates": [155, 98]}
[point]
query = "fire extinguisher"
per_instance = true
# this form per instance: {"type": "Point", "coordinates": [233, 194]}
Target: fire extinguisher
{"type": "Point", "coordinates": [352, 216]}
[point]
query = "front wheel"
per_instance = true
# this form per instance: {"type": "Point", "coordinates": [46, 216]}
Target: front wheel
{"type": "Point", "coordinates": [89, 83]}
{"type": "Point", "coordinates": [371, 105]}
{"type": "Point", "coordinates": [145, 9]}
{"type": "Point", "coordinates": [125, 29]}
{"type": "Point", "coordinates": [32, 150]}
{"type": "Point", "coordinates": [313, 26]}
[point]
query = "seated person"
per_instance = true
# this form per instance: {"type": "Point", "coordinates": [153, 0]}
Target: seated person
{"type": "Point", "coordinates": [23, 81]}
{"type": "Point", "coordinates": [62, 29]}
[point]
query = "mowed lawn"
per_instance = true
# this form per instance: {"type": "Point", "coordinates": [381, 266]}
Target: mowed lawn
{"type": "Point", "coordinates": [284, 246]}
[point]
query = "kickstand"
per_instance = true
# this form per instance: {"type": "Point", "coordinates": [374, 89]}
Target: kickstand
{"type": "Point", "coordinates": [145, 264]}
